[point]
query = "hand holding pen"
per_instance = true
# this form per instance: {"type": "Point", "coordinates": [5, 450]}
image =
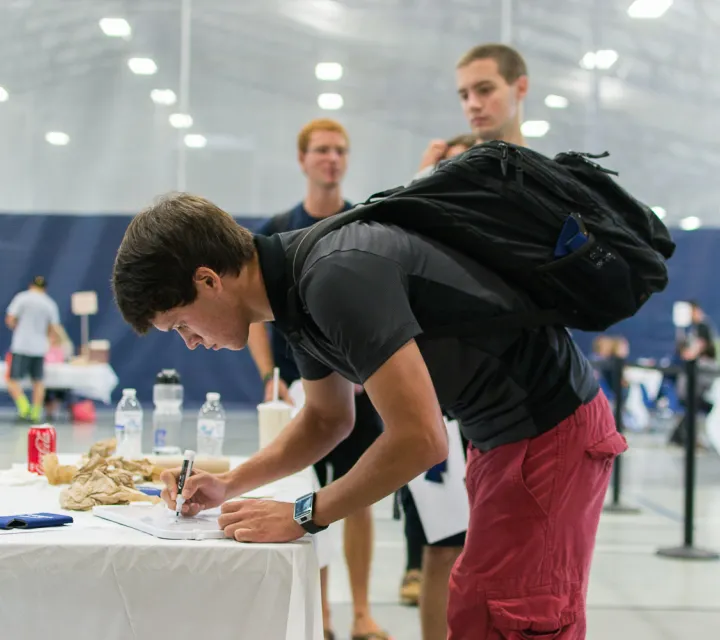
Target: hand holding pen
{"type": "Point", "coordinates": [188, 491]}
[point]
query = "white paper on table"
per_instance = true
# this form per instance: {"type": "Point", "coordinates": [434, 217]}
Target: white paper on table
{"type": "Point", "coordinates": [444, 509]}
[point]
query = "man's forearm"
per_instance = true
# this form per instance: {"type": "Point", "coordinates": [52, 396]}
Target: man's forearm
{"type": "Point", "coordinates": [390, 463]}
{"type": "Point", "coordinates": [260, 350]}
{"type": "Point", "coordinates": [304, 441]}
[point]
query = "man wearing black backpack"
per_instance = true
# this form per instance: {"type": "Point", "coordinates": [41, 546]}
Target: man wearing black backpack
{"type": "Point", "coordinates": [323, 149]}
{"type": "Point", "coordinates": [453, 292]}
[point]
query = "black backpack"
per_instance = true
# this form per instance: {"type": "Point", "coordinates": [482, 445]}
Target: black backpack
{"type": "Point", "coordinates": [587, 252]}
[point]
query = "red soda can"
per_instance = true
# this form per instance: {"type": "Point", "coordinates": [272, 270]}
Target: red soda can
{"type": "Point", "coordinates": [42, 440]}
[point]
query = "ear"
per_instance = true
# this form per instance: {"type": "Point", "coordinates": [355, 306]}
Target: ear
{"type": "Point", "coordinates": [206, 278]}
{"type": "Point", "coordinates": [521, 86]}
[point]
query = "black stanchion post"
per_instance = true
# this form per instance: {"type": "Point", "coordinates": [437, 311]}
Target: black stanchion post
{"type": "Point", "coordinates": [616, 506]}
{"type": "Point", "coordinates": [688, 551]}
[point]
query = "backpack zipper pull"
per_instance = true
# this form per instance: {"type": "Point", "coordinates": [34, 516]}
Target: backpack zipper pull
{"type": "Point", "coordinates": [519, 174]}
{"type": "Point", "coordinates": [504, 159]}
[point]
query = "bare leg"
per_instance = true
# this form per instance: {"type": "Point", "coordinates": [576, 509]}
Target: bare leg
{"type": "Point", "coordinates": [358, 539]}
{"type": "Point", "coordinates": [437, 564]}
{"type": "Point", "coordinates": [19, 398]}
{"type": "Point", "coordinates": [38, 398]}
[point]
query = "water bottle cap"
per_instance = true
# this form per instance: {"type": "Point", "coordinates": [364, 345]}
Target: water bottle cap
{"type": "Point", "coordinates": [213, 396]}
{"type": "Point", "coordinates": [167, 376]}
{"type": "Point", "coordinates": [129, 392]}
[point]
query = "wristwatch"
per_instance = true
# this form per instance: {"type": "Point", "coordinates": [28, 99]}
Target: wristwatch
{"type": "Point", "coordinates": [304, 508]}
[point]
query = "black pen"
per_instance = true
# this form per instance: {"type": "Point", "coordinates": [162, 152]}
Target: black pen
{"type": "Point", "coordinates": [185, 473]}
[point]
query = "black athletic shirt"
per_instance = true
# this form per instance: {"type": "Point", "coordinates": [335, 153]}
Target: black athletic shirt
{"type": "Point", "coordinates": [370, 288]}
{"type": "Point", "coordinates": [296, 218]}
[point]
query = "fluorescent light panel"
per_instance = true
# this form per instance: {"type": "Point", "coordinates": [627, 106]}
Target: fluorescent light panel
{"type": "Point", "coordinates": [600, 59]}
{"type": "Point", "coordinates": [181, 120]}
{"type": "Point", "coordinates": [690, 223]}
{"type": "Point", "coordinates": [195, 141]}
{"type": "Point", "coordinates": [163, 96]}
{"type": "Point", "coordinates": [4, 95]}
{"type": "Point", "coordinates": [535, 128]}
{"type": "Point", "coordinates": [648, 9]}
{"type": "Point", "coordinates": [115, 27]}
{"type": "Point", "coordinates": [330, 101]}
{"type": "Point", "coordinates": [142, 66]}
{"type": "Point", "coordinates": [328, 71]}
{"type": "Point", "coordinates": [556, 102]}
{"type": "Point", "coordinates": [57, 138]}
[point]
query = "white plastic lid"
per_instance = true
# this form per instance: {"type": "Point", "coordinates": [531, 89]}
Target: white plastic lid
{"type": "Point", "coordinates": [189, 454]}
{"type": "Point", "coordinates": [129, 392]}
{"type": "Point", "coordinates": [212, 396]}
{"type": "Point", "coordinates": [275, 405]}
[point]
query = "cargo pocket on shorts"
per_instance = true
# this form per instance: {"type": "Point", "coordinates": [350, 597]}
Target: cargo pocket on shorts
{"type": "Point", "coordinates": [541, 616]}
{"type": "Point", "coordinates": [608, 449]}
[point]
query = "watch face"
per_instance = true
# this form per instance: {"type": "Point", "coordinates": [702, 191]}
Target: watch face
{"type": "Point", "coordinates": [303, 508]}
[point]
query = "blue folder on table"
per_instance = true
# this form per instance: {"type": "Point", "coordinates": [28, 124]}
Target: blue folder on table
{"type": "Point", "coordinates": [34, 521]}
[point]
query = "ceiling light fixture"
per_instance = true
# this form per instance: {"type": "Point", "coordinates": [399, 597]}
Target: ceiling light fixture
{"type": "Point", "coordinates": [57, 138]}
{"type": "Point", "coordinates": [556, 102]}
{"type": "Point", "coordinates": [163, 96]}
{"type": "Point", "coordinates": [330, 101]}
{"type": "Point", "coordinates": [4, 95]}
{"type": "Point", "coordinates": [601, 59]}
{"type": "Point", "coordinates": [142, 66]}
{"type": "Point", "coordinates": [195, 141]}
{"type": "Point", "coordinates": [328, 71]}
{"type": "Point", "coordinates": [690, 223]}
{"type": "Point", "coordinates": [115, 27]}
{"type": "Point", "coordinates": [181, 120]}
{"type": "Point", "coordinates": [535, 128]}
{"type": "Point", "coordinates": [648, 9]}
{"type": "Point", "coordinates": [659, 212]}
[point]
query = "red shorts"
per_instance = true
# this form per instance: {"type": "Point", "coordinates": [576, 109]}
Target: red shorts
{"type": "Point", "coordinates": [534, 511]}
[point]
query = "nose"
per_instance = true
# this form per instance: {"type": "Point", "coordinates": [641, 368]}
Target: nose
{"type": "Point", "coordinates": [192, 342]}
{"type": "Point", "coordinates": [474, 102]}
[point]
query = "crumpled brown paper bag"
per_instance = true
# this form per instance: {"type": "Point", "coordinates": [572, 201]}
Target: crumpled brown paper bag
{"type": "Point", "coordinates": [98, 482]}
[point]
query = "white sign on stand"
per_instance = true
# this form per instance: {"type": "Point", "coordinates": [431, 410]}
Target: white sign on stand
{"type": "Point", "coordinates": [84, 304]}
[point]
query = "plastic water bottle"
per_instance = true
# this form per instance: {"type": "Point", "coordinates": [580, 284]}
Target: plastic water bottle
{"type": "Point", "coordinates": [167, 415]}
{"type": "Point", "coordinates": [129, 425]}
{"type": "Point", "coordinates": [211, 427]}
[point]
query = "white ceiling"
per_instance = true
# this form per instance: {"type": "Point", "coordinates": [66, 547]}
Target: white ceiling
{"type": "Point", "coordinates": [252, 86]}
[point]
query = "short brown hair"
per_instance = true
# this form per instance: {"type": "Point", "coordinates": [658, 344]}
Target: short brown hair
{"type": "Point", "coordinates": [466, 140]}
{"type": "Point", "coordinates": [163, 247]}
{"type": "Point", "coordinates": [321, 124]}
{"type": "Point", "coordinates": [511, 65]}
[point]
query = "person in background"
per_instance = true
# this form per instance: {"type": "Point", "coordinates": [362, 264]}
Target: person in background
{"type": "Point", "coordinates": [492, 83]}
{"type": "Point", "coordinates": [323, 148]}
{"type": "Point", "coordinates": [32, 316]}
{"type": "Point", "coordinates": [698, 342]}
{"type": "Point", "coordinates": [444, 552]}
{"type": "Point", "coordinates": [61, 350]}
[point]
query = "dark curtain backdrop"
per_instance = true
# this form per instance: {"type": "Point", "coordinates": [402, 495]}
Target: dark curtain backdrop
{"type": "Point", "coordinates": [76, 252]}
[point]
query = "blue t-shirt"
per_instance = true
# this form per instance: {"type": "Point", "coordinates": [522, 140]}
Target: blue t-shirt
{"type": "Point", "coordinates": [296, 218]}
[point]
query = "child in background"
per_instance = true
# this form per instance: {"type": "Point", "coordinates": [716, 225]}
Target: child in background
{"type": "Point", "coordinates": [61, 350]}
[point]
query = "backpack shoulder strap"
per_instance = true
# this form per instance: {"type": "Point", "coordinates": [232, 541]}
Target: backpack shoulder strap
{"type": "Point", "coordinates": [305, 242]}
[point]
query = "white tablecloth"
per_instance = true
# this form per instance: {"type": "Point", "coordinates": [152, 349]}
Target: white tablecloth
{"type": "Point", "coordinates": [96, 579]}
{"type": "Point", "coordinates": [94, 381]}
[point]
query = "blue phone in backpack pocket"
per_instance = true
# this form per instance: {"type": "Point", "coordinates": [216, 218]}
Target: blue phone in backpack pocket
{"type": "Point", "coordinates": [572, 237]}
